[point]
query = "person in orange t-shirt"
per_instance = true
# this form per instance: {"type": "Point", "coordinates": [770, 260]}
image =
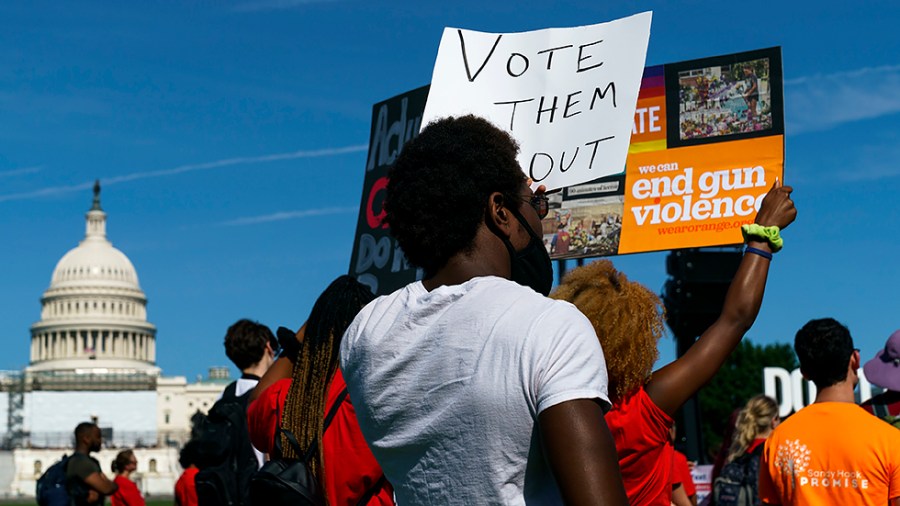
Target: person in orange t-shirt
{"type": "Point", "coordinates": [628, 318]}
{"type": "Point", "coordinates": [832, 451]}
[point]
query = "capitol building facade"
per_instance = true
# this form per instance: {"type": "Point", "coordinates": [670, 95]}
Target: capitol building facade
{"type": "Point", "coordinates": [93, 358]}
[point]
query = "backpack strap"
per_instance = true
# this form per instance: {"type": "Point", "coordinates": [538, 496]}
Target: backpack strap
{"type": "Point", "coordinates": [334, 408]}
{"type": "Point", "coordinates": [328, 418]}
{"type": "Point", "coordinates": [230, 391]}
{"type": "Point", "coordinates": [292, 440]}
{"type": "Point", "coordinates": [364, 500]}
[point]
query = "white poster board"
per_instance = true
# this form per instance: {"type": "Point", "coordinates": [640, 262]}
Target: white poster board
{"type": "Point", "coordinates": [567, 95]}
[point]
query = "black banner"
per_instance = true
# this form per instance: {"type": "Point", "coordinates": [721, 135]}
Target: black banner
{"type": "Point", "coordinates": [377, 260]}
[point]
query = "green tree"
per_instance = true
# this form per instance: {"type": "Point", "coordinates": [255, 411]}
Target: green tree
{"type": "Point", "coordinates": [736, 382]}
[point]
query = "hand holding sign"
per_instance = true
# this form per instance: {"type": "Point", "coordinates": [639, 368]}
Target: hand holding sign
{"type": "Point", "coordinates": [567, 95]}
{"type": "Point", "coordinates": [777, 207]}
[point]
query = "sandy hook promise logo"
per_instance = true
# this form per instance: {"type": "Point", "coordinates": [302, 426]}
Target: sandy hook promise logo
{"type": "Point", "coordinates": [792, 458]}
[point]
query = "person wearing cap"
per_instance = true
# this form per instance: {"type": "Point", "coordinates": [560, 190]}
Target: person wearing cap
{"type": "Point", "coordinates": [884, 371]}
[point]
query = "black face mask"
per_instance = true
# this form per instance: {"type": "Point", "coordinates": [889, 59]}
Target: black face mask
{"type": "Point", "coordinates": [530, 267]}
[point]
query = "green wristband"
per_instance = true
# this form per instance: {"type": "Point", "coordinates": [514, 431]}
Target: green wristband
{"type": "Point", "coordinates": [770, 235]}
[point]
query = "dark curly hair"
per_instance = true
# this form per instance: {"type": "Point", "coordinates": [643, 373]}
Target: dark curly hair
{"type": "Point", "coordinates": [438, 188]}
{"type": "Point", "coordinates": [245, 342]}
{"type": "Point", "coordinates": [187, 457]}
{"type": "Point", "coordinates": [824, 348]}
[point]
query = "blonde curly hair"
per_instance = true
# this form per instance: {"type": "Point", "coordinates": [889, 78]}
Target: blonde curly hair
{"type": "Point", "coordinates": [629, 320]}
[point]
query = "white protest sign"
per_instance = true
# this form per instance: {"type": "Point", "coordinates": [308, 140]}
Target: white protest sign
{"type": "Point", "coordinates": [567, 95]}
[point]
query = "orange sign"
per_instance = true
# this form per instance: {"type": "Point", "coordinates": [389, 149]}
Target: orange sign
{"type": "Point", "coordinates": [679, 198]}
{"type": "Point", "coordinates": [706, 145]}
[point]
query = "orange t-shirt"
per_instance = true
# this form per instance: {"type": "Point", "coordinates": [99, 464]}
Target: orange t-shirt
{"type": "Point", "coordinates": [831, 453]}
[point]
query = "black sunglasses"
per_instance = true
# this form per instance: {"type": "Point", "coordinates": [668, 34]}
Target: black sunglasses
{"type": "Point", "coordinates": [539, 202]}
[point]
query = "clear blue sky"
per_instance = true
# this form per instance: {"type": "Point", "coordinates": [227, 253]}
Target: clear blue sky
{"type": "Point", "coordinates": [202, 118]}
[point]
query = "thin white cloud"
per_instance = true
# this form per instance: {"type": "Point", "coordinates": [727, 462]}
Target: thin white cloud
{"type": "Point", "coordinates": [272, 5]}
{"type": "Point", "coordinates": [821, 102]}
{"type": "Point", "coordinates": [21, 172]}
{"type": "Point", "coordinates": [288, 215]}
{"type": "Point", "coordinates": [181, 169]}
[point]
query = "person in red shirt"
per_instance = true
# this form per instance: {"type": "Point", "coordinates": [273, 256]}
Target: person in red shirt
{"type": "Point", "coordinates": [303, 385]}
{"type": "Point", "coordinates": [128, 493]}
{"type": "Point", "coordinates": [629, 320]}
{"type": "Point", "coordinates": [185, 488]}
{"type": "Point", "coordinates": [684, 492]}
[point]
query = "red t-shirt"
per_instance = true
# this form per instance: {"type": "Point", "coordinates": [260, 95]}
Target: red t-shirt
{"type": "Point", "coordinates": [889, 399]}
{"type": "Point", "coordinates": [350, 467]}
{"type": "Point", "coordinates": [681, 473]}
{"type": "Point", "coordinates": [127, 494]}
{"type": "Point", "coordinates": [641, 432]}
{"type": "Point", "coordinates": [185, 490]}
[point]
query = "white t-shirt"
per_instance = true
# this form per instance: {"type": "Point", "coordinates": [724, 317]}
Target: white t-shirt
{"type": "Point", "coordinates": [447, 386]}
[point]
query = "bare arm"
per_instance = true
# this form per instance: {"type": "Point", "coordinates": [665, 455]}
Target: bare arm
{"type": "Point", "coordinates": [675, 383]}
{"type": "Point", "coordinates": [582, 454]}
{"type": "Point", "coordinates": [680, 497]}
{"type": "Point", "coordinates": [281, 369]}
{"type": "Point", "coordinates": [99, 482]}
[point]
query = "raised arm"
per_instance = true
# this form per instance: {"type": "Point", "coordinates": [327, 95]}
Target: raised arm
{"type": "Point", "coordinates": [675, 383]}
{"type": "Point", "coordinates": [283, 367]}
{"type": "Point", "coordinates": [582, 454]}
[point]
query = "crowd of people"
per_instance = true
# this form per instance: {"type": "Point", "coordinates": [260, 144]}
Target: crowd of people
{"type": "Point", "coordinates": [477, 385]}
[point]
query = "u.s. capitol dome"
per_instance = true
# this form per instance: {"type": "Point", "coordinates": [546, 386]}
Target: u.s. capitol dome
{"type": "Point", "coordinates": [94, 314]}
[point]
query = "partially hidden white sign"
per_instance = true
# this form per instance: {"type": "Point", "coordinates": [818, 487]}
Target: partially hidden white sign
{"type": "Point", "coordinates": [567, 95]}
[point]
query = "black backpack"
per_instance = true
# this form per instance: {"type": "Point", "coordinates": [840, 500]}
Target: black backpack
{"type": "Point", "coordinates": [224, 454]}
{"type": "Point", "coordinates": [289, 481]}
{"type": "Point", "coordinates": [737, 485]}
{"type": "Point", "coordinates": [50, 489]}
{"type": "Point", "coordinates": [54, 489]}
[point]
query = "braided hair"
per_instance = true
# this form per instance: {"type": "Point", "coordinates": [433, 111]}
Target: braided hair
{"type": "Point", "coordinates": [304, 409]}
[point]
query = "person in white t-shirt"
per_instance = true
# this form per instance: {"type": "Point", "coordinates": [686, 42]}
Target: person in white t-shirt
{"type": "Point", "coordinates": [470, 386]}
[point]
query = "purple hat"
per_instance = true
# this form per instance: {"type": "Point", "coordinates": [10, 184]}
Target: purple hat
{"type": "Point", "coordinates": [884, 369]}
